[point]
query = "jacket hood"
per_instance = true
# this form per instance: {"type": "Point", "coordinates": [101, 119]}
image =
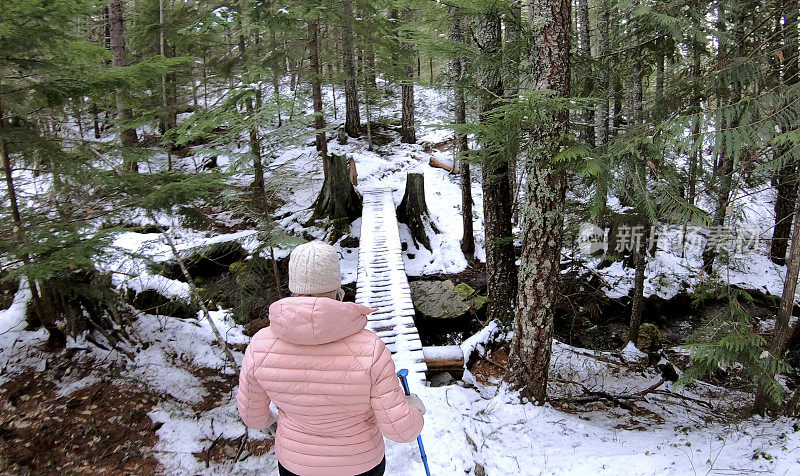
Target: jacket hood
{"type": "Point", "coordinates": [316, 320]}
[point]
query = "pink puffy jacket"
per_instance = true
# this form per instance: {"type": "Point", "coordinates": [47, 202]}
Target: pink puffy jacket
{"type": "Point", "coordinates": [334, 384]}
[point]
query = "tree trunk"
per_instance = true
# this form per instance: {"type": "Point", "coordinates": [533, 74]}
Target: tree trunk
{"type": "Point", "coordinates": [276, 78]}
{"type": "Point", "coordinates": [785, 183]}
{"type": "Point", "coordinates": [585, 37]}
{"type": "Point", "coordinates": [167, 120]}
{"type": "Point", "coordinates": [782, 332]}
{"type": "Point", "coordinates": [255, 150]}
{"type": "Point", "coordinates": [545, 192]}
{"type": "Point", "coordinates": [352, 123]}
{"type": "Point", "coordinates": [116, 29]}
{"type": "Point", "coordinates": [95, 121]}
{"type": "Point", "coordinates": [724, 171]}
{"type": "Point", "coordinates": [640, 249]}
{"type": "Point", "coordinates": [660, 75]}
{"type": "Point", "coordinates": [408, 133]}
{"type": "Point", "coordinates": [787, 177]}
{"type": "Point", "coordinates": [513, 30]}
{"type": "Point", "coordinates": [500, 268]}
{"type": "Point", "coordinates": [316, 92]}
{"type": "Point", "coordinates": [694, 159]}
{"type": "Point", "coordinates": [603, 91]}
{"type": "Point", "coordinates": [370, 66]}
{"type": "Point", "coordinates": [603, 81]}
{"type": "Point", "coordinates": [369, 86]}
{"type": "Point", "coordinates": [338, 201]}
{"type": "Point", "coordinates": [461, 145]}
{"type": "Point", "coordinates": [56, 336]}
{"type": "Point", "coordinates": [413, 211]}
{"type": "Point", "coordinates": [252, 130]}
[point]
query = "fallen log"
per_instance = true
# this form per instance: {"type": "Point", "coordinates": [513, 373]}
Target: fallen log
{"type": "Point", "coordinates": [433, 162]}
{"type": "Point", "coordinates": [445, 358]}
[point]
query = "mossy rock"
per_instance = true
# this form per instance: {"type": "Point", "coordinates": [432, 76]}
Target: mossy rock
{"type": "Point", "coordinates": [152, 302]}
{"type": "Point", "coordinates": [211, 262]}
{"type": "Point", "coordinates": [247, 290]}
{"type": "Point", "coordinates": [444, 300]}
{"type": "Point", "coordinates": [651, 339]}
{"type": "Point", "coordinates": [236, 267]}
{"type": "Point", "coordinates": [476, 301]}
{"type": "Point", "coordinates": [438, 300]}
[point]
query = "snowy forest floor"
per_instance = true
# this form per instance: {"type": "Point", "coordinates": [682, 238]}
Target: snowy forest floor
{"type": "Point", "coordinates": [172, 409]}
{"type": "Point", "coordinates": [166, 402]}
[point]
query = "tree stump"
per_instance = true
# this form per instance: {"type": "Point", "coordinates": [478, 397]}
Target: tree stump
{"type": "Point", "coordinates": [413, 211]}
{"type": "Point", "coordinates": [338, 201]}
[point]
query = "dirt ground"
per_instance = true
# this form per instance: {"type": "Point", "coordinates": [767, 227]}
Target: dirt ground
{"type": "Point", "coordinates": [103, 428]}
{"type": "Point", "coordinates": [100, 429]}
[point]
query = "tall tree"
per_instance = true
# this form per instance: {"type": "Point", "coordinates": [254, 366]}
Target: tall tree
{"type": "Point", "coordinates": [461, 145]}
{"type": "Point", "coordinates": [782, 331]}
{"type": "Point", "coordinates": [603, 90]}
{"type": "Point", "coordinates": [316, 91]}
{"type": "Point", "coordinates": [116, 33]}
{"type": "Point", "coordinates": [722, 178]}
{"type": "Point", "coordinates": [786, 179]}
{"type": "Point", "coordinates": [408, 133]}
{"type": "Point", "coordinates": [512, 51]}
{"type": "Point", "coordinates": [500, 268]}
{"type": "Point", "coordinates": [352, 123]}
{"type": "Point", "coordinates": [545, 191]}
{"type": "Point", "coordinates": [585, 49]}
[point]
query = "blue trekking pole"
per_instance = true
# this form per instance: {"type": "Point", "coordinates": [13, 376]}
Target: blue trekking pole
{"type": "Point", "coordinates": [403, 373]}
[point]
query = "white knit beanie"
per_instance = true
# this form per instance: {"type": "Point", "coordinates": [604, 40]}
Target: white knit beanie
{"type": "Point", "coordinates": [314, 269]}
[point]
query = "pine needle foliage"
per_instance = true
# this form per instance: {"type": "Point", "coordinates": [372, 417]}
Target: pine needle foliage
{"type": "Point", "coordinates": [729, 338]}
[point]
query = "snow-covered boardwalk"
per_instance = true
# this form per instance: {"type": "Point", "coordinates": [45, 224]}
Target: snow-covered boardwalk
{"type": "Point", "coordinates": [382, 283]}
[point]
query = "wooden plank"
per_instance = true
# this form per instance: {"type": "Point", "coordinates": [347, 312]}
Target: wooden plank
{"type": "Point", "coordinates": [382, 283]}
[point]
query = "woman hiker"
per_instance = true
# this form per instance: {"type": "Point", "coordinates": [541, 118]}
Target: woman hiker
{"type": "Point", "coordinates": [333, 381]}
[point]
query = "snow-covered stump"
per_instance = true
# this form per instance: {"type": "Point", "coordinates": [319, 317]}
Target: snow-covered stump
{"type": "Point", "coordinates": [382, 284]}
{"type": "Point", "coordinates": [413, 211]}
{"type": "Point", "coordinates": [338, 201]}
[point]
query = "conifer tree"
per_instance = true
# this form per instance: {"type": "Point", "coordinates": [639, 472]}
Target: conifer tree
{"type": "Point", "coordinates": [116, 27]}
{"type": "Point", "coordinates": [500, 268]}
{"type": "Point", "coordinates": [545, 190]}
{"type": "Point", "coordinates": [352, 124]}
{"type": "Point", "coordinates": [461, 145]}
{"type": "Point", "coordinates": [786, 179]}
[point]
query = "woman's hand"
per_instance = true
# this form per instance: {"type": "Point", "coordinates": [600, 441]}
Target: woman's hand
{"type": "Point", "coordinates": [415, 402]}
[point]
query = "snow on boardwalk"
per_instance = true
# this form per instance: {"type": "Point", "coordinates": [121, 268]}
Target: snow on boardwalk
{"type": "Point", "coordinates": [382, 283]}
